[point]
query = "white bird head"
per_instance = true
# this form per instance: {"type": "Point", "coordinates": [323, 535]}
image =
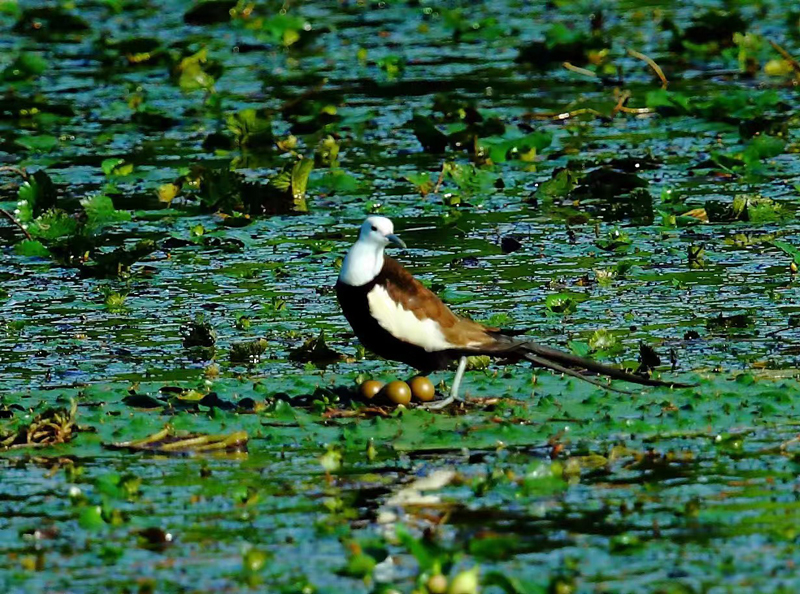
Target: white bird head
{"type": "Point", "coordinates": [380, 232]}
{"type": "Point", "coordinates": [365, 259]}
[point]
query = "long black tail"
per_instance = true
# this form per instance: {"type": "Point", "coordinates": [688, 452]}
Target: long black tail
{"type": "Point", "coordinates": [571, 365]}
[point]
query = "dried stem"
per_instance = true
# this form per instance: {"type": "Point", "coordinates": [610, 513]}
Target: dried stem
{"type": "Point", "coordinates": [18, 170]}
{"type": "Point", "coordinates": [155, 437]}
{"type": "Point", "coordinates": [623, 98]}
{"type": "Point", "coordinates": [439, 181]}
{"type": "Point", "coordinates": [636, 110]}
{"type": "Point", "coordinates": [19, 226]}
{"type": "Point", "coordinates": [563, 115]}
{"type": "Point", "coordinates": [650, 62]}
{"type": "Point", "coordinates": [579, 70]}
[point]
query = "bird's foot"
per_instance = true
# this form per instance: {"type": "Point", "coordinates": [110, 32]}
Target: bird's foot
{"type": "Point", "coordinates": [440, 404]}
{"type": "Point", "coordinates": [462, 366]}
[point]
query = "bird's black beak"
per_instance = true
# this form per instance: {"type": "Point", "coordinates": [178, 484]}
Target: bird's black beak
{"type": "Point", "coordinates": [396, 240]}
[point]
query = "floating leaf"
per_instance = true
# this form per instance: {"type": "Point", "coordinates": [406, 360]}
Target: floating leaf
{"type": "Point", "coordinates": [763, 147]}
{"type": "Point", "coordinates": [283, 28]}
{"type": "Point", "coordinates": [53, 225]}
{"type": "Point", "coordinates": [100, 211]}
{"type": "Point", "coordinates": [563, 303]}
{"type": "Point", "coordinates": [602, 340]}
{"type": "Point", "coordinates": [315, 350]}
{"type": "Point", "coordinates": [116, 167]}
{"type": "Point", "coordinates": [118, 262]}
{"type": "Point", "coordinates": [327, 152]}
{"type": "Point", "coordinates": [43, 143]}
{"type": "Point", "coordinates": [300, 172]}
{"type": "Point", "coordinates": [615, 240]}
{"type": "Point", "coordinates": [192, 72]}
{"type": "Point", "coordinates": [91, 518]}
{"type": "Point", "coordinates": [26, 66]}
{"type": "Point", "coordinates": [337, 181]}
{"type": "Point", "coordinates": [789, 249]}
{"type": "Point", "coordinates": [580, 348]}
{"type": "Point", "coordinates": [39, 193]}
{"type": "Point", "coordinates": [560, 185]}
{"type": "Point", "coordinates": [167, 192]}
{"type": "Point", "coordinates": [248, 352]}
{"type": "Point", "coordinates": [668, 102]}
{"type": "Point", "coordinates": [198, 333]}
{"type": "Point", "coordinates": [252, 128]}
{"type": "Point", "coordinates": [523, 147]}
{"type": "Point", "coordinates": [31, 249]}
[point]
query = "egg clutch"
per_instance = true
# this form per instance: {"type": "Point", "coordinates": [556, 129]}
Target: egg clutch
{"type": "Point", "coordinates": [420, 388]}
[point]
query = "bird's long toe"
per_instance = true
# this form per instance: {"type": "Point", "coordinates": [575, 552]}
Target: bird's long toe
{"type": "Point", "coordinates": [440, 404]}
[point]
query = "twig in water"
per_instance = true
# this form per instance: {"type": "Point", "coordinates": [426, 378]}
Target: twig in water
{"type": "Point", "coordinates": [18, 170]}
{"type": "Point", "coordinates": [650, 62]}
{"type": "Point", "coordinates": [623, 97]}
{"type": "Point", "coordinates": [563, 115]}
{"type": "Point", "coordinates": [579, 70]}
{"type": "Point", "coordinates": [636, 110]}
{"type": "Point", "coordinates": [11, 218]}
{"type": "Point", "coordinates": [439, 181]}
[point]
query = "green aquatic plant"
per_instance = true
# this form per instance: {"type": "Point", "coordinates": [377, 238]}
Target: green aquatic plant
{"type": "Point", "coordinates": [157, 163]}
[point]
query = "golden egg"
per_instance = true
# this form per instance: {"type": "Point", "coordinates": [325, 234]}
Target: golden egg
{"type": "Point", "coordinates": [422, 388]}
{"type": "Point", "coordinates": [369, 388]}
{"type": "Point", "coordinates": [437, 584]}
{"type": "Point", "coordinates": [397, 392]}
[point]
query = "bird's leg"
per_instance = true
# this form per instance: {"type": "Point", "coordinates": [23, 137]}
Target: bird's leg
{"type": "Point", "coordinates": [462, 367]}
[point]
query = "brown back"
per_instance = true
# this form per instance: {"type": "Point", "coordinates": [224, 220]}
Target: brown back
{"type": "Point", "coordinates": [415, 297]}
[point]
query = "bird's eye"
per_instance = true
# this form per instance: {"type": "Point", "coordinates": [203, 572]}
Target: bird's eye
{"type": "Point", "coordinates": [374, 228]}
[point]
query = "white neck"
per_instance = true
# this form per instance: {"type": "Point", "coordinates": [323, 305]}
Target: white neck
{"type": "Point", "coordinates": [362, 263]}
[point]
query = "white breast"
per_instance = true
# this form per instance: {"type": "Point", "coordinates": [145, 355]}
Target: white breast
{"type": "Point", "coordinates": [361, 264]}
{"type": "Point", "coordinates": [403, 324]}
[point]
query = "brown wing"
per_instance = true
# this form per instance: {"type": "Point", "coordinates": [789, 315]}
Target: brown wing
{"type": "Point", "coordinates": [415, 297]}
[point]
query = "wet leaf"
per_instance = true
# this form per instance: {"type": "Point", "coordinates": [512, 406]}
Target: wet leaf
{"type": "Point", "coordinates": [251, 128]}
{"type": "Point", "coordinates": [789, 249]}
{"type": "Point", "coordinates": [315, 350]}
{"type": "Point", "coordinates": [193, 72]}
{"type": "Point", "coordinates": [41, 143]}
{"type": "Point", "coordinates": [100, 211]}
{"type": "Point", "coordinates": [562, 303]}
{"type": "Point", "coordinates": [25, 67]}
{"type": "Point", "coordinates": [198, 333]}
{"type": "Point", "coordinates": [523, 147]}
{"type": "Point", "coordinates": [32, 249]}
{"type": "Point", "coordinates": [249, 351]}
{"type": "Point", "coordinates": [91, 518]}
